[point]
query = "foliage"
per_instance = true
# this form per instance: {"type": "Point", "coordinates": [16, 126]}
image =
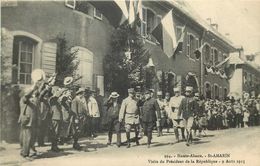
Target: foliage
{"type": "Point", "coordinates": [120, 71]}
{"type": "Point", "coordinates": [66, 60]}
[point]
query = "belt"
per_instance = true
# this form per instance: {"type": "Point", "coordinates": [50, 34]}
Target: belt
{"type": "Point", "coordinates": [130, 113]}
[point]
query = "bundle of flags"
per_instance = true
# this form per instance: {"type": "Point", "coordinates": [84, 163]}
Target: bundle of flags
{"type": "Point", "coordinates": [131, 12]}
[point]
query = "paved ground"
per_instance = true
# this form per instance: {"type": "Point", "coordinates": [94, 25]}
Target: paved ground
{"type": "Point", "coordinates": [243, 146]}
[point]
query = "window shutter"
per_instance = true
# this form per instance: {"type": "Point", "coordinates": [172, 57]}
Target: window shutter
{"type": "Point", "coordinates": [188, 44]}
{"type": "Point", "coordinates": [7, 54]}
{"type": "Point", "coordinates": [49, 57]}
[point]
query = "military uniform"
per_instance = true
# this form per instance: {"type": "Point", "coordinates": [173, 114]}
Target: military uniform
{"type": "Point", "coordinates": [130, 113]}
{"type": "Point", "coordinates": [56, 112]}
{"type": "Point", "coordinates": [150, 113]}
{"type": "Point", "coordinates": [177, 121]}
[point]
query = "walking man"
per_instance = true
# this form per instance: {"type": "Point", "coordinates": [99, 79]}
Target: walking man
{"type": "Point", "coordinates": [177, 121]}
{"type": "Point", "coordinates": [150, 113]}
{"type": "Point", "coordinates": [113, 108]}
{"type": "Point", "coordinates": [129, 112]}
{"type": "Point", "coordinates": [187, 109]}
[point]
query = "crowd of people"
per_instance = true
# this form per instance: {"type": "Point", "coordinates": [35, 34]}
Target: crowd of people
{"type": "Point", "coordinates": [68, 114]}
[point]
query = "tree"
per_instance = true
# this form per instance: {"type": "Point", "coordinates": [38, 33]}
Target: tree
{"type": "Point", "coordinates": [66, 60]}
{"type": "Point", "coordinates": [124, 67]}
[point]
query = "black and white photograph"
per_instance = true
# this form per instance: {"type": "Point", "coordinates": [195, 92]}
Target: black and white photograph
{"type": "Point", "coordinates": [130, 83]}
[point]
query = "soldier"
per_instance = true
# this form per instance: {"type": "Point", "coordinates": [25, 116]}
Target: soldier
{"type": "Point", "coordinates": [163, 120]}
{"type": "Point", "coordinates": [175, 102]}
{"type": "Point", "coordinates": [28, 119]}
{"type": "Point", "coordinates": [113, 108]}
{"type": "Point", "coordinates": [187, 109]}
{"type": "Point", "coordinates": [45, 116]}
{"type": "Point", "coordinates": [78, 106]}
{"type": "Point", "coordinates": [150, 113]}
{"type": "Point", "coordinates": [129, 112]}
{"type": "Point", "coordinates": [56, 111]}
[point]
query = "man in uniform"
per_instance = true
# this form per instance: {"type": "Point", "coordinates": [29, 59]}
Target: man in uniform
{"type": "Point", "coordinates": [78, 106]}
{"type": "Point", "coordinates": [150, 113]}
{"type": "Point", "coordinates": [129, 112]}
{"type": "Point", "coordinates": [187, 109]}
{"type": "Point", "coordinates": [174, 103]}
{"type": "Point", "coordinates": [56, 111]}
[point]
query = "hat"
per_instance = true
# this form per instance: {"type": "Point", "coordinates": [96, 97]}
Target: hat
{"type": "Point", "coordinates": [67, 80]}
{"type": "Point", "coordinates": [188, 88]}
{"type": "Point", "coordinates": [131, 90]}
{"type": "Point", "coordinates": [37, 75]}
{"type": "Point", "coordinates": [159, 93]}
{"type": "Point", "coordinates": [151, 90]}
{"type": "Point", "coordinates": [114, 95]}
{"type": "Point", "coordinates": [197, 94]}
{"type": "Point", "coordinates": [80, 90]}
{"type": "Point", "coordinates": [176, 89]}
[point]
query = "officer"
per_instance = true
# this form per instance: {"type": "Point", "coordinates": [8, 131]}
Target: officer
{"type": "Point", "coordinates": [129, 112]}
{"type": "Point", "coordinates": [151, 113]}
{"type": "Point", "coordinates": [187, 109]}
{"type": "Point", "coordinates": [174, 103]}
{"type": "Point", "coordinates": [56, 114]}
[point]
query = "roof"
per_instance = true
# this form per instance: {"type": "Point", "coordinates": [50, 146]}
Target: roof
{"type": "Point", "coordinates": [186, 9]}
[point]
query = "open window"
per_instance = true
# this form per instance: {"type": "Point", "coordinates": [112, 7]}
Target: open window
{"type": "Point", "coordinates": [23, 59]}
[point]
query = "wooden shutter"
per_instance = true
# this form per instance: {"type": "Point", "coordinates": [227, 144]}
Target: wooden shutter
{"type": "Point", "coordinates": [7, 55]}
{"type": "Point", "coordinates": [49, 57]}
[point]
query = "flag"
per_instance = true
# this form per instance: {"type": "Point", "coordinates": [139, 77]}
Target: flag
{"type": "Point", "coordinates": [135, 12]}
{"type": "Point", "coordinates": [131, 12]}
{"type": "Point", "coordinates": [165, 34]}
{"type": "Point", "coordinates": [169, 35]}
{"type": "Point", "coordinates": [122, 5]}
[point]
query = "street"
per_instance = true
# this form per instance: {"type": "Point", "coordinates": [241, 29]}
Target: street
{"type": "Point", "coordinates": [236, 146]}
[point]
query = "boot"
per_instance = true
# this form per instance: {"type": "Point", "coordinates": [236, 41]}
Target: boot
{"type": "Point", "coordinates": [182, 134]}
{"type": "Point", "coordinates": [118, 140]}
{"type": "Point", "coordinates": [149, 139]}
{"type": "Point", "coordinates": [176, 134]}
{"type": "Point", "coordinates": [158, 132]}
{"type": "Point", "coordinates": [109, 138]}
{"type": "Point", "coordinates": [128, 139]}
{"type": "Point", "coordinates": [136, 138]}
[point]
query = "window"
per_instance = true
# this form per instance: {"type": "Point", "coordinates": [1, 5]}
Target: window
{"type": "Point", "coordinates": [192, 45]}
{"type": "Point", "coordinates": [215, 55]}
{"type": "Point", "coordinates": [225, 93]}
{"type": "Point", "coordinates": [83, 7]}
{"type": "Point", "coordinates": [70, 3]}
{"type": "Point", "coordinates": [207, 90]}
{"type": "Point", "coordinates": [211, 56]}
{"type": "Point", "coordinates": [23, 58]}
{"type": "Point", "coordinates": [97, 14]}
{"type": "Point", "coordinates": [207, 54]}
{"type": "Point", "coordinates": [216, 92]}
{"type": "Point", "coordinates": [188, 45]}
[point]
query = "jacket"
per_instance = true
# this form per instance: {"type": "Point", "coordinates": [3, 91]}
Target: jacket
{"type": "Point", "coordinates": [56, 110]}
{"type": "Point", "coordinates": [151, 111]}
{"type": "Point", "coordinates": [129, 111]}
{"type": "Point", "coordinates": [79, 106]}
{"type": "Point", "coordinates": [112, 111]}
{"type": "Point", "coordinates": [93, 107]}
{"type": "Point", "coordinates": [187, 107]}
